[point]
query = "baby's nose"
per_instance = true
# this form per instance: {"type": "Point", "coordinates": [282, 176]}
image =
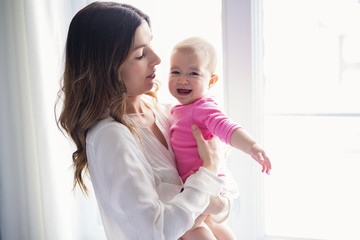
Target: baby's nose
{"type": "Point", "coordinates": [182, 80]}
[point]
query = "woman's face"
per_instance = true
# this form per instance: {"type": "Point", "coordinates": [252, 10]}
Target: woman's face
{"type": "Point", "coordinates": [138, 71]}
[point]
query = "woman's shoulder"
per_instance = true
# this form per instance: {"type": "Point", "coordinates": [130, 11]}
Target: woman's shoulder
{"type": "Point", "coordinates": [107, 128]}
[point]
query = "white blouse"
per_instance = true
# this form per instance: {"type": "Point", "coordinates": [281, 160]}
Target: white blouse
{"type": "Point", "coordinates": [137, 186]}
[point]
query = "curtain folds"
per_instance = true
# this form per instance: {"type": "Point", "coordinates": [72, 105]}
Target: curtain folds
{"type": "Point", "coordinates": [36, 201]}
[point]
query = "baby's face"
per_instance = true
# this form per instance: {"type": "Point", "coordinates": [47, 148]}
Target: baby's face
{"type": "Point", "coordinates": [189, 77]}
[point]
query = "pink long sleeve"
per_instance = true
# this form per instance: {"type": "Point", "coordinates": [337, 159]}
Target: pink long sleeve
{"type": "Point", "coordinates": [205, 113]}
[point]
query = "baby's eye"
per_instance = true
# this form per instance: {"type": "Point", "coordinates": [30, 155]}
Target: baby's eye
{"type": "Point", "coordinates": [194, 74]}
{"type": "Point", "coordinates": [175, 72]}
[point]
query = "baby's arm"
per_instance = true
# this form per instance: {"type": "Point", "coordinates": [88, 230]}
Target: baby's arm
{"type": "Point", "coordinates": [207, 113]}
{"type": "Point", "coordinates": [244, 142]}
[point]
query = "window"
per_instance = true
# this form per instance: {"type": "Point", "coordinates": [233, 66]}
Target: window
{"type": "Point", "coordinates": [311, 70]}
{"type": "Point", "coordinates": [292, 70]}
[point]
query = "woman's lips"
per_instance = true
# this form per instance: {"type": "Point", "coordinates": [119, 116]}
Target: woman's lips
{"type": "Point", "coordinates": [151, 76]}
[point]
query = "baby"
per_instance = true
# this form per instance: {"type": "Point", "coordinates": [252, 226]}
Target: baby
{"type": "Point", "coordinates": [193, 63]}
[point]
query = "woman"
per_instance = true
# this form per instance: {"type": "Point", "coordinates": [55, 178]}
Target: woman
{"type": "Point", "coordinates": [122, 135]}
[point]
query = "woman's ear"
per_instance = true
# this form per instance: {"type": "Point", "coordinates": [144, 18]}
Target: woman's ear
{"type": "Point", "coordinates": [214, 78]}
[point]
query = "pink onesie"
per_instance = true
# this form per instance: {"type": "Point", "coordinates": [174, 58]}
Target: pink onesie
{"type": "Point", "coordinates": [204, 113]}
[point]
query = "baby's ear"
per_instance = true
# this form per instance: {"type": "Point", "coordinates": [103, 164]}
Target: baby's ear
{"type": "Point", "coordinates": [214, 78]}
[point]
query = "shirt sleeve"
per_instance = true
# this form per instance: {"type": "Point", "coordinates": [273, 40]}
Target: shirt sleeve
{"type": "Point", "coordinates": [124, 182]}
{"type": "Point", "coordinates": [207, 113]}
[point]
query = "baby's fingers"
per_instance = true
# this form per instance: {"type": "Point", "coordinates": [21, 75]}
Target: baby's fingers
{"type": "Point", "coordinates": [258, 157]}
{"type": "Point", "coordinates": [266, 169]}
{"type": "Point", "coordinates": [267, 164]}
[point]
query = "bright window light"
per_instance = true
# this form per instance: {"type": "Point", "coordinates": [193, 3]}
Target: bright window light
{"type": "Point", "coordinates": [312, 118]}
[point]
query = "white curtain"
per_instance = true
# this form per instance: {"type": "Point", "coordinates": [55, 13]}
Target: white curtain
{"type": "Point", "coordinates": [36, 201]}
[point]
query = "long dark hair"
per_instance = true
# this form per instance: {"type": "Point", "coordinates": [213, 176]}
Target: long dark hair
{"type": "Point", "coordinates": [99, 40]}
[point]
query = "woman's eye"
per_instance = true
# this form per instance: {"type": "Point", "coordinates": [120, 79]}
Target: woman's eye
{"type": "Point", "coordinates": [141, 57]}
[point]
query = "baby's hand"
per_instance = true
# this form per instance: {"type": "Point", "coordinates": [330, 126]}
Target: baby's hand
{"type": "Point", "coordinates": [257, 153]}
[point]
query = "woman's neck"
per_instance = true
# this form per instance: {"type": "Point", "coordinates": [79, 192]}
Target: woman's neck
{"type": "Point", "coordinates": [134, 105]}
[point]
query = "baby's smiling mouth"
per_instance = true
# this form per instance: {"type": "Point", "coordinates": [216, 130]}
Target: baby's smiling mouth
{"type": "Point", "coordinates": [183, 91]}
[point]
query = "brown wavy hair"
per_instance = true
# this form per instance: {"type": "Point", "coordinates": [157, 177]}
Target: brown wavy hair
{"type": "Point", "coordinates": [99, 40]}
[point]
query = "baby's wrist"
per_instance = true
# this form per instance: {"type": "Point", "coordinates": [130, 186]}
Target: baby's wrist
{"type": "Point", "coordinates": [252, 146]}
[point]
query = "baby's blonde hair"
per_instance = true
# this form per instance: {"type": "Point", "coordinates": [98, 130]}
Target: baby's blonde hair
{"type": "Point", "coordinates": [201, 47]}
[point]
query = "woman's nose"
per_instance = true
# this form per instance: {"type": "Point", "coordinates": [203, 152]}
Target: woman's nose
{"type": "Point", "coordinates": [156, 59]}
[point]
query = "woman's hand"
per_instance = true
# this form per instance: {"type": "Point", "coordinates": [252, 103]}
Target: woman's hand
{"type": "Point", "coordinates": [217, 205]}
{"type": "Point", "coordinates": [209, 150]}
